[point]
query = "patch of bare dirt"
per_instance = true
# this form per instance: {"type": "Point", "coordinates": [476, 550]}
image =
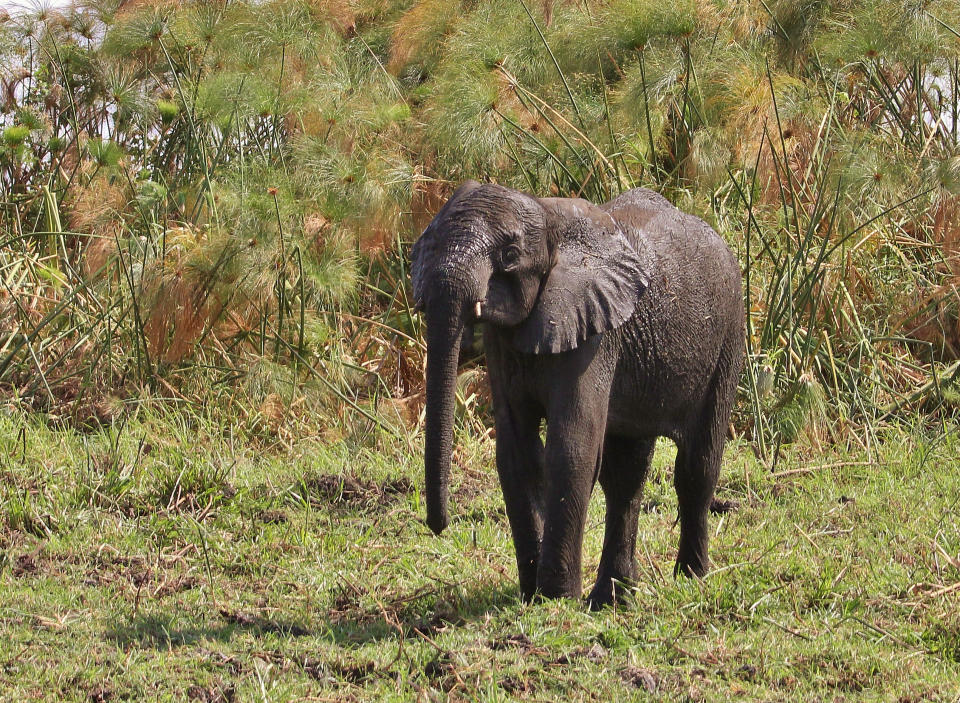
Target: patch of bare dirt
{"type": "Point", "coordinates": [216, 693]}
{"type": "Point", "coordinates": [137, 577]}
{"type": "Point", "coordinates": [355, 492]}
{"type": "Point", "coordinates": [354, 672]}
{"type": "Point", "coordinates": [25, 565]}
{"type": "Point", "coordinates": [721, 507]}
{"type": "Point", "coordinates": [515, 684]}
{"type": "Point", "coordinates": [261, 624]}
{"type": "Point", "coordinates": [594, 653]}
{"type": "Point", "coordinates": [231, 663]}
{"type": "Point", "coordinates": [520, 641]}
{"type": "Point", "coordinates": [273, 517]}
{"type": "Point", "coordinates": [641, 678]}
{"type": "Point", "coordinates": [442, 671]}
{"type": "Point", "coordinates": [101, 694]}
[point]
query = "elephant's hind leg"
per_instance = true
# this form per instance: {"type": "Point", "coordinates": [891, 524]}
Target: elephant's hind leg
{"type": "Point", "coordinates": [623, 471]}
{"type": "Point", "coordinates": [697, 469]}
{"type": "Point", "coordinates": [695, 477]}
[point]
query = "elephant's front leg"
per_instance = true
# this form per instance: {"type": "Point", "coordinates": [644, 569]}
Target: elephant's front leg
{"type": "Point", "coordinates": [575, 433]}
{"type": "Point", "coordinates": [520, 467]}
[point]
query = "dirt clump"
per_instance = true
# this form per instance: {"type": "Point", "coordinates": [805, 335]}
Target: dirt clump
{"type": "Point", "coordinates": [352, 491]}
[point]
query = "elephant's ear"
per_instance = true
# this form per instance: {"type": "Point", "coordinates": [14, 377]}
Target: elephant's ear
{"type": "Point", "coordinates": [593, 287]}
{"type": "Point", "coordinates": [424, 254]}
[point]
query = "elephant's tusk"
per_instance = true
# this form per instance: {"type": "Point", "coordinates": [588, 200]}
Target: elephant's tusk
{"type": "Point", "coordinates": [478, 309]}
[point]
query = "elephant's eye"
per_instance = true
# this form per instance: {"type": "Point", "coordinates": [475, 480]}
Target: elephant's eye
{"type": "Point", "coordinates": [509, 258]}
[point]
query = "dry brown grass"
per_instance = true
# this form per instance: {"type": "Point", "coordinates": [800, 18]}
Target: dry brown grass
{"type": "Point", "coordinates": [131, 7]}
{"type": "Point", "coordinates": [417, 31]}
{"type": "Point", "coordinates": [342, 13]}
{"type": "Point", "coordinates": [180, 313]}
{"type": "Point", "coordinates": [95, 205]}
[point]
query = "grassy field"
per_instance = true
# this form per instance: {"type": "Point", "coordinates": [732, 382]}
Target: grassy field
{"type": "Point", "coordinates": [184, 557]}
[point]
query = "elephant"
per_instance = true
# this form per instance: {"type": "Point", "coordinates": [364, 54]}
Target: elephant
{"type": "Point", "coordinates": [612, 324]}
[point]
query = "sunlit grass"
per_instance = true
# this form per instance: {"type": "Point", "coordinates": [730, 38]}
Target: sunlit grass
{"type": "Point", "coordinates": [193, 553]}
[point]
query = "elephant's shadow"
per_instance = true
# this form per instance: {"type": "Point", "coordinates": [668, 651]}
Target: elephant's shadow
{"type": "Point", "coordinates": [418, 613]}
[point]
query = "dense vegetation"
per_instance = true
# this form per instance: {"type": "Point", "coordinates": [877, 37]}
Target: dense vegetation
{"type": "Point", "coordinates": [212, 377]}
{"type": "Point", "coordinates": [222, 194]}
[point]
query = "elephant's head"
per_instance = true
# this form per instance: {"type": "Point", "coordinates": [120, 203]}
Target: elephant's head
{"type": "Point", "coordinates": [552, 271]}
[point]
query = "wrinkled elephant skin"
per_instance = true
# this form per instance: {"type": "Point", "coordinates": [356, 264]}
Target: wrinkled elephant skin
{"type": "Point", "coordinates": [616, 324]}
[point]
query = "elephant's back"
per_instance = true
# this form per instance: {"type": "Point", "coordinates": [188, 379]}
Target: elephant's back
{"type": "Point", "coordinates": [691, 318]}
{"type": "Point", "coordinates": [685, 256]}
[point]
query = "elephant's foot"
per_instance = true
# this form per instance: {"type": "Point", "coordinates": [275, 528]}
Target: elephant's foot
{"type": "Point", "coordinates": [556, 593]}
{"type": "Point", "coordinates": [607, 591]}
{"type": "Point", "coordinates": [560, 588]}
{"type": "Point", "coordinates": [560, 577]}
{"type": "Point", "coordinates": [527, 592]}
{"type": "Point", "coordinates": [692, 557]}
{"type": "Point", "coordinates": [527, 571]}
{"type": "Point", "coordinates": [692, 563]}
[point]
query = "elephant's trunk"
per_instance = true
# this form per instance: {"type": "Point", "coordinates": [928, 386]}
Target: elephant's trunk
{"type": "Point", "coordinates": [445, 325]}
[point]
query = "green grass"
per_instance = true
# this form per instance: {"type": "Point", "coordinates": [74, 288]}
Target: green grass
{"type": "Point", "coordinates": [178, 558]}
{"type": "Point", "coordinates": [227, 192]}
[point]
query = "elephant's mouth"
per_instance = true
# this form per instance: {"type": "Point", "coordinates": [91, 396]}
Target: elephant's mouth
{"type": "Point", "coordinates": [494, 307]}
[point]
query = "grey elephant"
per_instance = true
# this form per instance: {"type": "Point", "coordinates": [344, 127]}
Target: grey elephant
{"type": "Point", "coordinates": [616, 324]}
